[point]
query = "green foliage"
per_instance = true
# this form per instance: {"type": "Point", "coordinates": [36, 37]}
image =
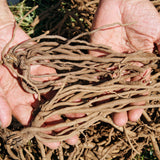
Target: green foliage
{"type": "Point", "coordinates": [147, 154]}
{"type": "Point", "coordinates": [21, 9]}
{"type": "Point", "coordinates": [19, 12]}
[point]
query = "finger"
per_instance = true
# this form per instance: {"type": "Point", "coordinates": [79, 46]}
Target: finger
{"type": "Point", "coordinates": [120, 119]}
{"type": "Point", "coordinates": [56, 119]}
{"type": "Point", "coordinates": [23, 113]}
{"type": "Point", "coordinates": [135, 114]}
{"type": "Point", "coordinates": [53, 145]}
{"type": "Point", "coordinates": [74, 115]}
{"type": "Point", "coordinates": [5, 111]}
{"type": "Point", "coordinates": [73, 140]}
{"type": "Point", "coordinates": [40, 70]}
{"type": "Point", "coordinates": [145, 76]}
{"type": "Point", "coordinates": [50, 122]}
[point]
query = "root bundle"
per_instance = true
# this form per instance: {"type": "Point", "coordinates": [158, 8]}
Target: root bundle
{"type": "Point", "coordinates": [102, 85]}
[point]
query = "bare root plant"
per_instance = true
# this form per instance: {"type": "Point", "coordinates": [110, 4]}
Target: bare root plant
{"type": "Point", "coordinates": [102, 85]}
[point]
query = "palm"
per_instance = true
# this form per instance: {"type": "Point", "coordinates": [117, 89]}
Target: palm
{"type": "Point", "coordinates": [18, 100]}
{"type": "Point", "coordinates": [141, 33]}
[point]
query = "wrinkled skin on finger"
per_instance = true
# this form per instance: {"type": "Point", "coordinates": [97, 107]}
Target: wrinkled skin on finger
{"type": "Point", "coordinates": [140, 33]}
{"type": "Point", "coordinates": [13, 99]}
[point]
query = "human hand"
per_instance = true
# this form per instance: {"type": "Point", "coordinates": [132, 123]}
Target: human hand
{"type": "Point", "coordinates": [141, 34]}
{"type": "Point", "coordinates": [13, 99]}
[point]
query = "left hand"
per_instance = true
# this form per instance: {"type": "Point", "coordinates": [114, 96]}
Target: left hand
{"type": "Point", "coordinates": [13, 99]}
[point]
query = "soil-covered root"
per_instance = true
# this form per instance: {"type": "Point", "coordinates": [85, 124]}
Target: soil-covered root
{"type": "Point", "coordinates": [96, 86]}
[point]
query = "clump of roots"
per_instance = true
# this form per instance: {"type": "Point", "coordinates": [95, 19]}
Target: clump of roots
{"type": "Point", "coordinates": [102, 85]}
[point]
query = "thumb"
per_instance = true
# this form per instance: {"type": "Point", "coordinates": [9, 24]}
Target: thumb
{"type": "Point", "coordinates": [5, 111]}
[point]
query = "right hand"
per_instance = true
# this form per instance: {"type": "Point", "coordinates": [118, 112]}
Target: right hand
{"type": "Point", "coordinates": [141, 34]}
